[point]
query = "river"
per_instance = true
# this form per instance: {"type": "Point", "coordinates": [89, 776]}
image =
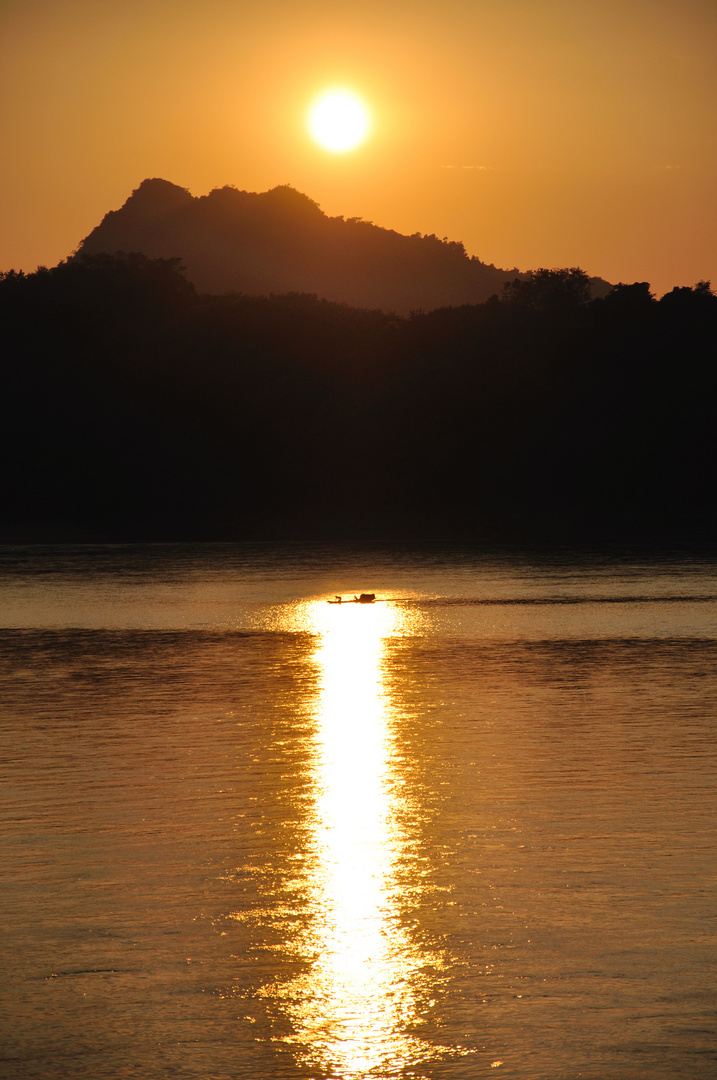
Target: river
{"type": "Point", "coordinates": [467, 830]}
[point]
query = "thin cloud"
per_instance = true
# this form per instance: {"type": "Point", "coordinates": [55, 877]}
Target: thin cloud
{"type": "Point", "coordinates": [480, 168]}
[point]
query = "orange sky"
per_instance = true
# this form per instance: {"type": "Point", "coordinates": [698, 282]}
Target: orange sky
{"type": "Point", "coordinates": [538, 132]}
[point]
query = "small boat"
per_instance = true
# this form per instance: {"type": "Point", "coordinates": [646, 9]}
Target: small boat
{"type": "Point", "coordinates": [363, 598]}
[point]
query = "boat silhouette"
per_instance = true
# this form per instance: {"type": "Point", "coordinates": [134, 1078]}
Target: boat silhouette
{"type": "Point", "coordinates": [362, 598]}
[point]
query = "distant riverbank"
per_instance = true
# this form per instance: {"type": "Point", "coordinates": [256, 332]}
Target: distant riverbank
{"type": "Point", "coordinates": [136, 409]}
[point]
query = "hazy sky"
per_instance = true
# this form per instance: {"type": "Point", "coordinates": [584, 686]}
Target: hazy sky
{"type": "Point", "coordinates": [538, 132]}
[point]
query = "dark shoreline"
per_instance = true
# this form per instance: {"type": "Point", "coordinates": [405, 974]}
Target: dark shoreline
{"type": "Point", "coordinates": [136, 410]}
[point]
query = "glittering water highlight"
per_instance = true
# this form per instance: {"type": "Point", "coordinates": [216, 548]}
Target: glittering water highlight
{"type": "Point", "coordinates": [353, 1010]}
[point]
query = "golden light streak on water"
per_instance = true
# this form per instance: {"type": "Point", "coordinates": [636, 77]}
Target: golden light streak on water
{"type": "Point", "coordinates": [351, 1011]}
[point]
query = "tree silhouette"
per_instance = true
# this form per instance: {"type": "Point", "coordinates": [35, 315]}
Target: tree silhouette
{"type": "Point", "coordinates": [553, 291]}
{"type": "Point", "coordinates": [134, 407]}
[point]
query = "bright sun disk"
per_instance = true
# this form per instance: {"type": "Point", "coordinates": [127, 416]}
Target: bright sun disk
{"type": "Point", "coordinates": [338, 121]}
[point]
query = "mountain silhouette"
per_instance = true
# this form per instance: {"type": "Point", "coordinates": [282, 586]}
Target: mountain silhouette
{"type": "Point", "coordinates": [280, 241]}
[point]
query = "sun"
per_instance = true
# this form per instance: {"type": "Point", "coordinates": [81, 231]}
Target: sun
{"type": "Point", "coordinates": [338, 121]}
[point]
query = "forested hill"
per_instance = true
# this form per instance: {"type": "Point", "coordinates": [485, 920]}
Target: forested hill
{"type": "Point", "coordinates": [280, 241]}
{"type": "Point", "coordinates": [135, 408]}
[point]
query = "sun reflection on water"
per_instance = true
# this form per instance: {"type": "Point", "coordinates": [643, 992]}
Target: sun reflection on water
{"type": "Point", "coordinates": [351, 1011]}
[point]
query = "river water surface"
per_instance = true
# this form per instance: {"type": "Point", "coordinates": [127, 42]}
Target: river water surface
{"type": "Point", "coordinates": [468, 830]}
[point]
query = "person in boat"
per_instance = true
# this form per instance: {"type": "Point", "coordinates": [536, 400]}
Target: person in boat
{"type": "Point", "coordinates": [364, 598]}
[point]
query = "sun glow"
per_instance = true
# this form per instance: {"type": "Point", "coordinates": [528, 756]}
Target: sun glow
{"type": "Point", "coordinates": [339, 121]}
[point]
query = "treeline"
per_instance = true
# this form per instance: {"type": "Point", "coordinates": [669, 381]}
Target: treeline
{"type": "Point", "coordinates": [134, 408]}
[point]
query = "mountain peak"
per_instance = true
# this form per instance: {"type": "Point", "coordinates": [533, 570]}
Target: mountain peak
{"type": "Point", "coordinates": [281, 241]}
{"type": "Point", "coordinates": [286, 197]}
{"type": "Point", "coordinates": [156, 197]}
